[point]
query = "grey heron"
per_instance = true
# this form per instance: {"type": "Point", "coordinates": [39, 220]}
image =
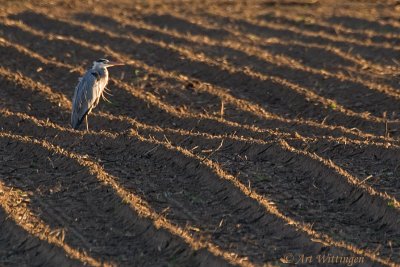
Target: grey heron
{"type": "Point", "coordinates": [91, 87]}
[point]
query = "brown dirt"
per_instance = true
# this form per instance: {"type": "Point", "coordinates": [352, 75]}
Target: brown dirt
{"type": "Point", "coordinates": [239, 133]}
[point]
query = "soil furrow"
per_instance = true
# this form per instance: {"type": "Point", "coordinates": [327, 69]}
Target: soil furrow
{"type": "Point", "coordinates": [268, 117]}
{"type": "Point", "coordinates": [15, 203]}
{"type": "Point", "coordinates": [269, 29]}
{"type": "Point", "coordinates": [204, 175]}
{"type": "Point", "coordinates": [345, 86]}
{"type": "Point", "coordinates": [303, 128]}
{"type": "Point", "coordinates": [352, 83]}
{"type": "Point", "coordinates": [226, 76]}
{"type": "Point", "coordinates": [18, 247]}
{"type": "Point", "coordinates": [124, 231]}
{"type": "Point", "coordinates": [275, 152]}
{"type": "Point", "coordinates": [342, 26]}
{"type": "Point", "coordinates": [247, 133]}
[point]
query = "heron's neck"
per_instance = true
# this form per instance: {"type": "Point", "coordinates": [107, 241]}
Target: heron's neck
{"type": "Point", "coordinates": [100, 70]}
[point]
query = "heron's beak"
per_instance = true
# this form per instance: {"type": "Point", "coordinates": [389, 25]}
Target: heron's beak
{"type": "Point", "coordinates": [113, 63]}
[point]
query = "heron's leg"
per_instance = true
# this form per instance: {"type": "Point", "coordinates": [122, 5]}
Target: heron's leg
{"type": "Point", "coordinates": [87, 125]}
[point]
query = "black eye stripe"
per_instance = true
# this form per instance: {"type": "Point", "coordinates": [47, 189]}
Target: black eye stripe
{"type": "Point", "coordinates": [102, 60]}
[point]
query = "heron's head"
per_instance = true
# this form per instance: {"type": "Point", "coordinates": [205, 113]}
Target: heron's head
{"type": "Point", "coordinates": [105, 63]}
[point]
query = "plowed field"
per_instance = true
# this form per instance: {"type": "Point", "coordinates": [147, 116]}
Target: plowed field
{"type": "Point", "coordinates": [245, 133]}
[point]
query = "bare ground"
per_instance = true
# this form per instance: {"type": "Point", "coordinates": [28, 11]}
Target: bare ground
{"type": "Point", "coordinates": [244, 133]}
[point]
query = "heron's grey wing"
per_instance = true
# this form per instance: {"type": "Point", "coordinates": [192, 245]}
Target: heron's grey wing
{"type": "Point", "coordinates": [85, 97]}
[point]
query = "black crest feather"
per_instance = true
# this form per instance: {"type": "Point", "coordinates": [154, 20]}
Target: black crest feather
{"type": "Point", "coordinates": [102, 60]}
